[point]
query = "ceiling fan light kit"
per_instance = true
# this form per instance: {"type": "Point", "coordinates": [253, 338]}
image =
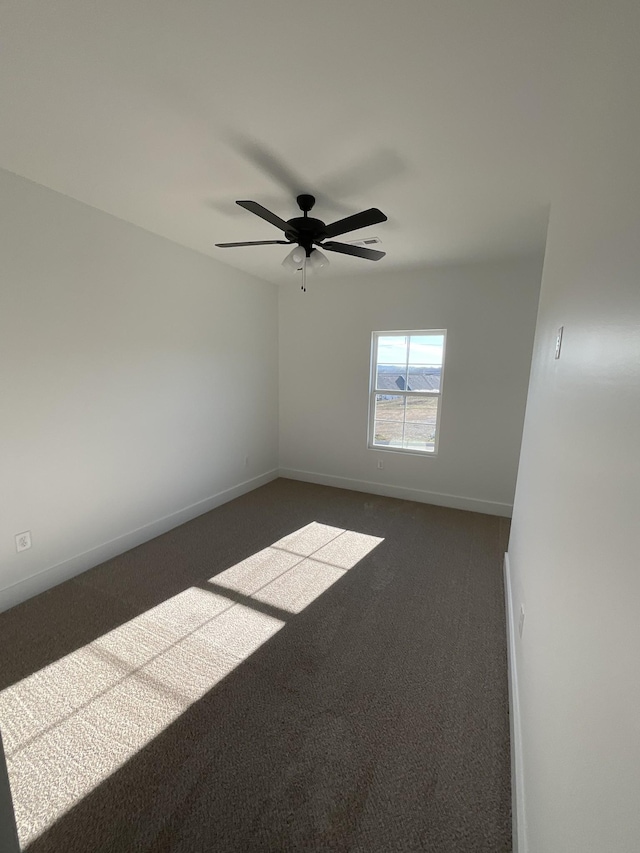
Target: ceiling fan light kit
{"type": "Point", "coordinates": [317, 260]}
{"type": "Point", "coordinates": [308, 232]}
{"type": "Point", "coordinates": [295, 258]}
{"type": "Point", "coordinates": [294, 261]}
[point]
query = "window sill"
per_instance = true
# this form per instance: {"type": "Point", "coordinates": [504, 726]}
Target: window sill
{"type": "Point", "coordinates": [423, 454]}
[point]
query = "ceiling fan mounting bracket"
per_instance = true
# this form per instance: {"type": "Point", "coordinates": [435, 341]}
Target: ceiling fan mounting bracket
{"type": "Point", "coordinates": [305, 202]}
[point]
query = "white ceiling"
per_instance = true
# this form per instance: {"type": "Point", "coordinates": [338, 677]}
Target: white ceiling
{"type": "Point", "coordinates": [162, 113]}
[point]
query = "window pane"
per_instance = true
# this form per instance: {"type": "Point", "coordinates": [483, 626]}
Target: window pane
{"type": "Point", "coordinates": [387, 433]}
{"type": "Point", "coordinates": [424, 377]}
{"type": "Point", "coordinates": [392, 349]}
{"type": "Point", "coordinates": [391, 377]}
{"type": "Point", "coordinates": [420, 437]}
{"type": "Point", "coordinates": [420, 427]}
{"type": "Point", "coordinates": [389, 408]}
{"type": "Point", "coordinates": [426, 349]}
{"type": "Point", "coordinates": [389, 420]}
{"type": "Point", "coordinates": [422, 410]}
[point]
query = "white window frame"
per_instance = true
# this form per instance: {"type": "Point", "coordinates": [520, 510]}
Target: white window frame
{"type": "Point", "coordinates": [373, 390]}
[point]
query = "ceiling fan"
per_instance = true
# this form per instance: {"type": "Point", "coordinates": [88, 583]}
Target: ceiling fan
{"type": "Point", "coordinates": [307, 233]}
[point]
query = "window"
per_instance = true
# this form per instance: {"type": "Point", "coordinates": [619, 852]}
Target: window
{"type": "Point", "coordinates": [406, 387]}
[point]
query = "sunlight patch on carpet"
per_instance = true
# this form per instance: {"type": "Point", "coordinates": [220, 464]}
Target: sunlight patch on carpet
{"type": "Point", "coordinates": [72, 724]}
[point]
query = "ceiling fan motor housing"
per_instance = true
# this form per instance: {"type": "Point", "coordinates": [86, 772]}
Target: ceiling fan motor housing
{"type": "Point", "coordinates": [306, 231]}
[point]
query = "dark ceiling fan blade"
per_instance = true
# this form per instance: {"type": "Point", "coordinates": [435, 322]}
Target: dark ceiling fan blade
{"type": "Point", "coordinates": [263, 213]}
{"type": "Point", "coordinates": [352, 223]}
{"type": "Point", "coordinates": [356, 251]}
{"type": "Point", "coordinates": [255, 243]}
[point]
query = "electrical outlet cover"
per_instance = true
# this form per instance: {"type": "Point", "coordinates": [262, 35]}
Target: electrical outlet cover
{"type": "Point", "coordinates": [23, 541]}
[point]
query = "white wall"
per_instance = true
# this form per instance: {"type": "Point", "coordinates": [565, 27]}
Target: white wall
{"type": "Point", "coordinates": [135, 375]}
{"type": "Point", "coordinates": [574, 552]}
{"type": "Point", "coordinates": [489, 312]}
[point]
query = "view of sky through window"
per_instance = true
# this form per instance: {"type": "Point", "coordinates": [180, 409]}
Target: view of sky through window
{"type": "Point", "coordinates": [423, 349]}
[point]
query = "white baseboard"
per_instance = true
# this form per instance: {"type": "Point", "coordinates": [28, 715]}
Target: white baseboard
{"type": "Point", "coordinates": [53, 575]}
{"type": "Point", "coordinates": [517, 774]}
{"type": "Point", "coordinates": [389, 491]}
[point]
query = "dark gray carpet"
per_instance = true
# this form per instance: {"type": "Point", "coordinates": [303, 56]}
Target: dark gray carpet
{"type": "Point", "coordinates": [336, 692]}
